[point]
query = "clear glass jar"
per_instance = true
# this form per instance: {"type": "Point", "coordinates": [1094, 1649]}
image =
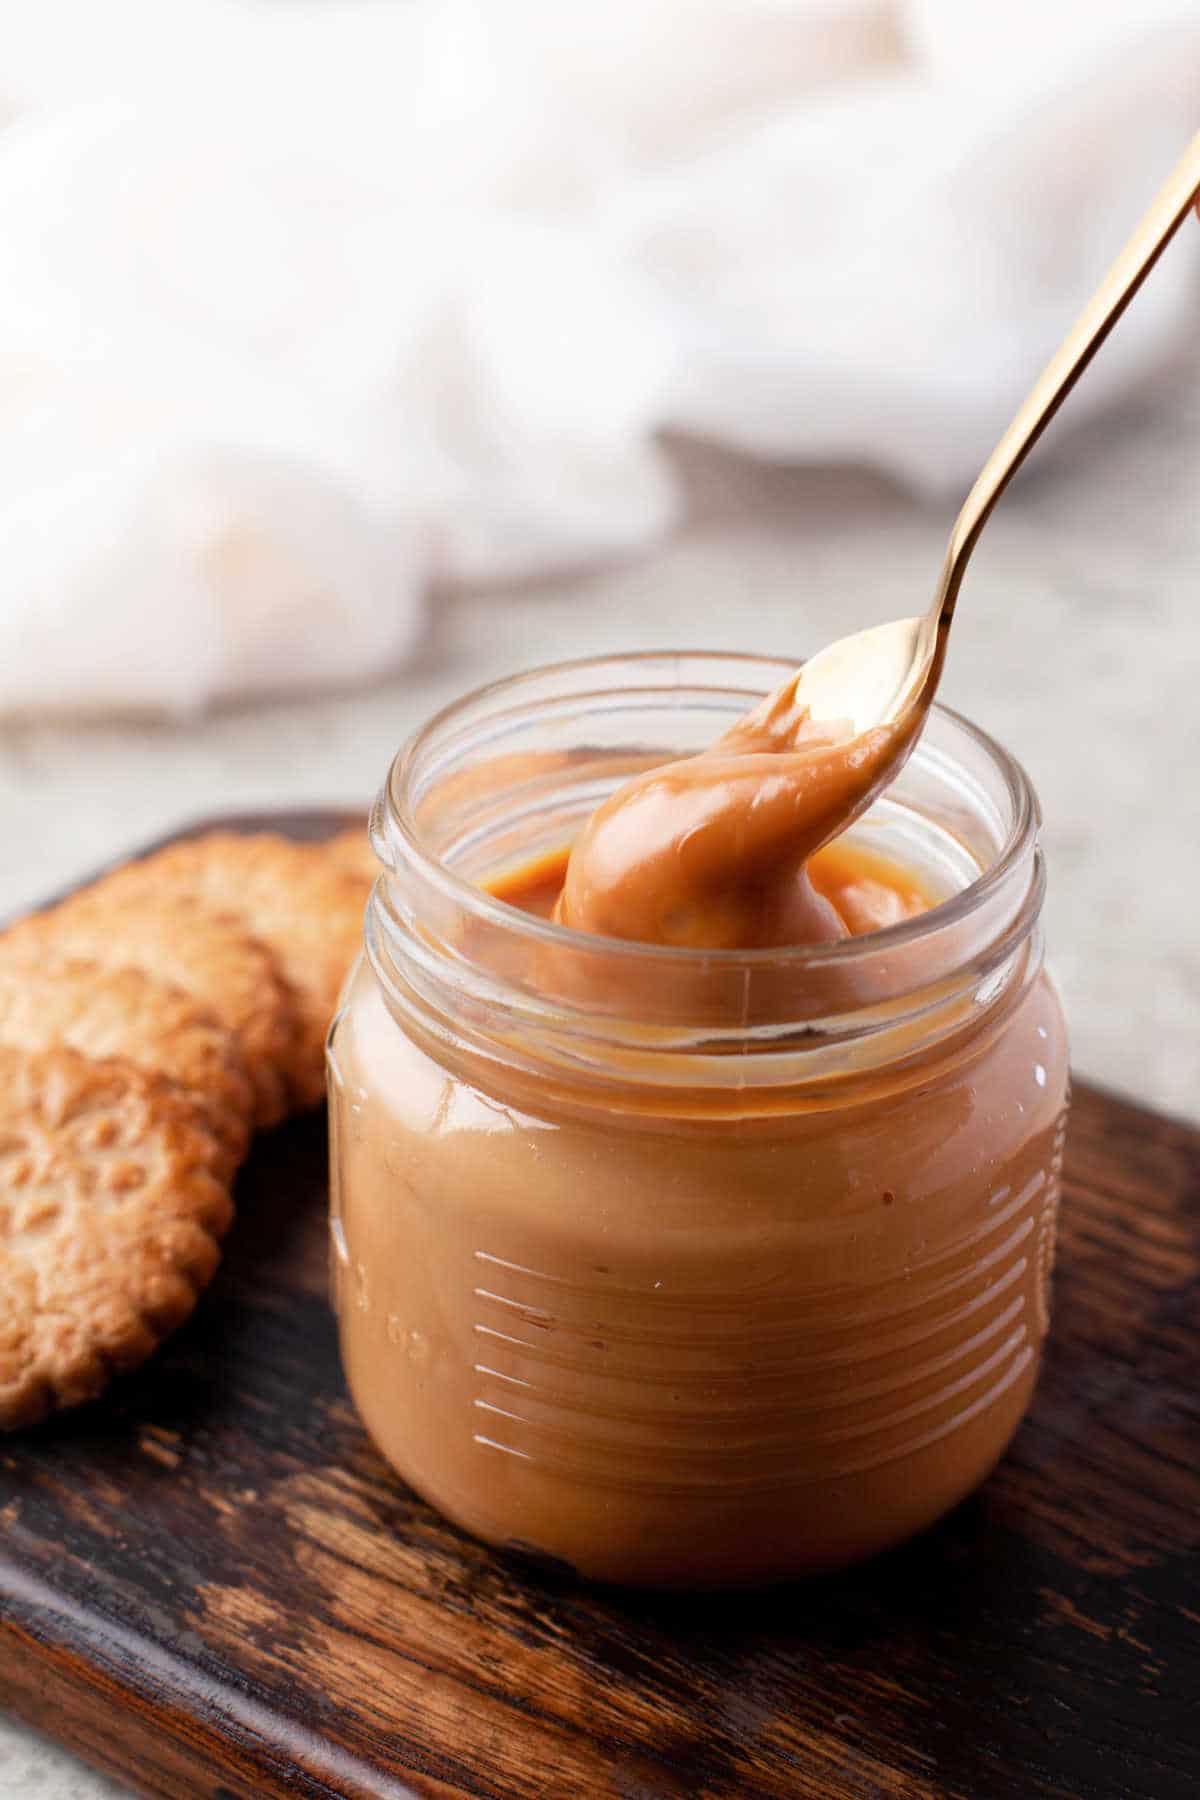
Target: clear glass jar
{"type": "Point", "coordinates": [681, 1267]}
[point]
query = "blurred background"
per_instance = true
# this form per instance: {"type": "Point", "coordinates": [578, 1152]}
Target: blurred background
{"type": "Point", "coordinates": [355, 353]}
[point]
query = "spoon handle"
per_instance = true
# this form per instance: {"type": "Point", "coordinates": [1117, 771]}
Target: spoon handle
{"type": "Point", "coordinates": [1167, 212]}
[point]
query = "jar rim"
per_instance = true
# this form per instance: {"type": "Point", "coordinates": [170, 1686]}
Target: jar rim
{"type": "Point", "coordinates": [396, 832]}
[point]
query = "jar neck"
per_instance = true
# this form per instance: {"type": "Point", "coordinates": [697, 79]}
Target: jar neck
{"type": "Point", "coordinates": [544, 1015]}
{"type": "Point", "coordinates": [546, 1059]}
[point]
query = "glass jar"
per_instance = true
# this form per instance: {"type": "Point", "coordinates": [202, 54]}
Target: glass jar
{"type": "Point", "coordinates": [678, 1267]}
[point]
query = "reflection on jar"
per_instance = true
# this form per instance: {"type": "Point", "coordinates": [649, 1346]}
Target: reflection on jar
{"type": "Point", "coordinates": [689, 1269]}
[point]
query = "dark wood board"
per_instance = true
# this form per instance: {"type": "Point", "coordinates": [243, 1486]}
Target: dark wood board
{"type": "Point", "coordinates": [210, 1584]}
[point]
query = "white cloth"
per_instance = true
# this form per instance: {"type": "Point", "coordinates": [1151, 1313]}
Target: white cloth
{"type": "Point", "coordinates": [304, 306]}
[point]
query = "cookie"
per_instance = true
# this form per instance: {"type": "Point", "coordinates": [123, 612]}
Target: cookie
{"type": "Point", "coordinates": [213, 960]}
{"type": "Point", "coordinates": [294, 898]}
{"type": "Point", "coordinates": [351, 851]}
{"type": "Point", "coordinates": [124, 1012]}
{"type": "Point", "coordinates": [110, 1218]}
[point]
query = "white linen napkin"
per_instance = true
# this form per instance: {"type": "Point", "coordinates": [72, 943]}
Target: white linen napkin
{"type": "Point", "coordinates": [305, 306]}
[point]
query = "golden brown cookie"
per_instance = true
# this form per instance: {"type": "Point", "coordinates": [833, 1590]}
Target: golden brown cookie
{"type": "Point", "coordinates": [351, 851]}
{"type": "Point", "coordinates": [294, 898]}
{"type": "Point", "coordinates": [110, 1217]}
{"type": "Point", "coordinates": [103, 1012]}
{"type": "Point", "coordinates": [214, 960]}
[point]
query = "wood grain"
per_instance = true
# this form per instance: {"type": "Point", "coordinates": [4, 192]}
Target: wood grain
{"type": "Point", "coordinates": [210, 1584]}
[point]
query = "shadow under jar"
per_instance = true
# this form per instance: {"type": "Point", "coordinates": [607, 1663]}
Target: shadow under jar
{"type": "Point", "coordinates": [690, 1268]}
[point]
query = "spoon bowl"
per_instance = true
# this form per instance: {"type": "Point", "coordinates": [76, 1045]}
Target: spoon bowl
{"type": "Point", "coordinates": [869, 679]}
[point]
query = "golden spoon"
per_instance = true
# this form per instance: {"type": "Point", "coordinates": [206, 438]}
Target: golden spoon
{"type": "Point", "coordinates": [877, 677]}
{"type": "Point", "coordinates": [705, 852]}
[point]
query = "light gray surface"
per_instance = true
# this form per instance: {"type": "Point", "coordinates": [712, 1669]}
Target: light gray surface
{"type": "Point", "coordinates": [1077, 644]}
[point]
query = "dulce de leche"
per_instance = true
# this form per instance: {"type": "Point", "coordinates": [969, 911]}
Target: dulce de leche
{"type": "Point", "coordinates": [695, 1168]}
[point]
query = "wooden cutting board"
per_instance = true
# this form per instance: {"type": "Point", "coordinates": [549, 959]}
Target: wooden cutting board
{"type": "Point", "coordinates": [210, 1584]}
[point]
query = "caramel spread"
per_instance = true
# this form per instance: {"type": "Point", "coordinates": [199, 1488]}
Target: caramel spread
{"type": "Point", "coordinates": [765, 1332]}
{"type": "Point", "coordinates": [710, 852]}
{"type": "Point", "coordinates": [857, 889]}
